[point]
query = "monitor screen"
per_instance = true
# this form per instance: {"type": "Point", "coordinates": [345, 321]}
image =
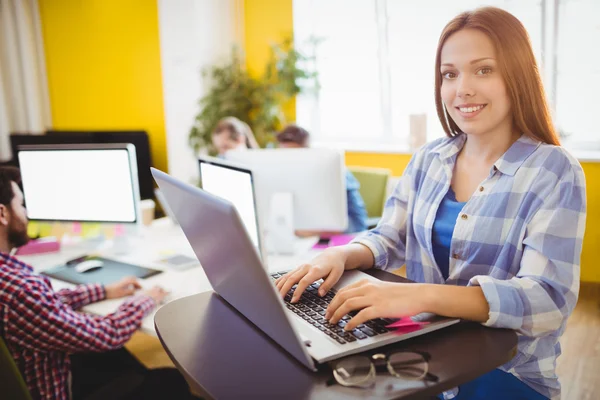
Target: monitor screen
{"type": "Point", "coordinates": [315, 178]}
{"type": "Point", "coordinates": [138, 138]}
{"type": "Point", "coordinates": [234, 185]}
{"type": "Point", "coordinates": [86, 185]}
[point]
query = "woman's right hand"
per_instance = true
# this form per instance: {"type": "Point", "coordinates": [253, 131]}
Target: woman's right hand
{"type": "Point", "coordinates": [329, 265]}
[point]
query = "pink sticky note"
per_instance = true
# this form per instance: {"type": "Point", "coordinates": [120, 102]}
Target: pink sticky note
{"type": "Point", "coordinates": [119, 230]}
{"type": "Point", "coordinates": [76, 228]}
{"type": "Point", "coordinates": [336, 240]}
{"type": "Point", "coordinates": [340, 240]}
{"type": "Point", "coordinates": [406, 329]}
{"type": "Point", "coordinates": [406, 322]}
{"type": "Point", "coordinates": [319, 246]}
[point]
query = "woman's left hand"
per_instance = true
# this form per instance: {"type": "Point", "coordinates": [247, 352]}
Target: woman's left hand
{"type": "Point", "coordinates": [377, 300]}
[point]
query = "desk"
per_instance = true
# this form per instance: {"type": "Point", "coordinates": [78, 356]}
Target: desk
{"type": "Point", "coordinates": [225, 356]}
{"type": "Point", "coordinates": [154, 242]}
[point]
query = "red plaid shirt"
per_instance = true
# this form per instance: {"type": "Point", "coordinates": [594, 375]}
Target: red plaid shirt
{"type": "Point", "coordinates": [41, 328]}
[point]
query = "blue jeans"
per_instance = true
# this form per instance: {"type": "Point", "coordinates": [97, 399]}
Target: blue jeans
{"type": "Point", "coordinates": [497, 385]}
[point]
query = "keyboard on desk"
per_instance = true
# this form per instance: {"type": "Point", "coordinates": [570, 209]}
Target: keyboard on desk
{"type": "Point", "coordinates": [311, 307]}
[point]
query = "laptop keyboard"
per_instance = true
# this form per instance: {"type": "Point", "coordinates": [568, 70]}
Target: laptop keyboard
{"type": "Point", "coordinates": [311, 307]}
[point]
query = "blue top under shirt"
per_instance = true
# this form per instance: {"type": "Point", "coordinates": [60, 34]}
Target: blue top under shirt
{"type": "Point", "coordinates": [494, 385]}
{"type": "Point", "coordinates": [443, 227]}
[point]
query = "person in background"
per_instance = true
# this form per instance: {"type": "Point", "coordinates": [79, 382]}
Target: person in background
{"type": "Point", "coordinates": [232, 134]}
{"type": "Point", "coordinates": [45, 334]}
{"type": "Point", "coordinates": [293, 136]}
{"type": "Point", "coordinates": [489, 220]}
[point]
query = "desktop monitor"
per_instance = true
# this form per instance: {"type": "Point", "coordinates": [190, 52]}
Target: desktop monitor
{"type": "Point", "coordinates": [314, 177]}
{"type": "Point", "coordinates": [138, 138]}
{"type": "Point", "coordinates": [83, 183]}
{"type": "Point", "coordinates": [236, 185]}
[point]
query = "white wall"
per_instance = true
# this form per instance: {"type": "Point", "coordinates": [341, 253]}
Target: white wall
{"type": "Point", "coordinates": [193, 34]}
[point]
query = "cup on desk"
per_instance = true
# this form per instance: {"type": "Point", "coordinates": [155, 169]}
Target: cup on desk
{"type": "Point", "coordinates": [147, 207]}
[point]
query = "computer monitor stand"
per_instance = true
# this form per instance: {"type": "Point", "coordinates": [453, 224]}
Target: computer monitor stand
{"type": "Point", "coordinates": [280, 236]}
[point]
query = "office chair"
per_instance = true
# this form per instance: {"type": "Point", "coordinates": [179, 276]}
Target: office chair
{"type": "Point", "coordinates": [373, 189]}
{"type": "Point", "coordinates": [13, 385]}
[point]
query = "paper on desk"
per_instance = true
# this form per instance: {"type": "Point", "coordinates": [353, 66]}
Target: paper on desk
{"type": "Point", "coordinates": [45, 229]}
{"type": "Point", "coordinates": [89, 229]}
{"type": "Point", "coordinates": [33, 229]}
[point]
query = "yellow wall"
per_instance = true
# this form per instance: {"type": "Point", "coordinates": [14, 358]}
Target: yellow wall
{"type": "Point", "coordinates": [266, 22]}
{"type": "Point", "coordinates": [396, 162]}
{"type": "Point", "coordinates": [103, 65]}
{"type": "Point", "coordinates": [591, 243]}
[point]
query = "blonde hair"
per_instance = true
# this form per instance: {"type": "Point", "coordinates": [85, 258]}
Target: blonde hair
{"type": "Point", "coordinates": [530, 111]}
{"type": "Point", "coordinates": [236, 128]}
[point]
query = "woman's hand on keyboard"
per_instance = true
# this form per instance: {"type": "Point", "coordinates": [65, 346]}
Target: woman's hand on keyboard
{"type": "Point", "coordinates": [378, 300]}
{"type": "Point", "coordinates": [329, 266]}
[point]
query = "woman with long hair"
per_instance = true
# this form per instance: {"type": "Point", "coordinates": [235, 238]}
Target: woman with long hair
{"type": "Point", "coordinates": [488, 220]}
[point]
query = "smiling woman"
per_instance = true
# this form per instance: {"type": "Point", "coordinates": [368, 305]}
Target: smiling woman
{"type": "Point", "coordinates": [489, 221]}
{"type": "Point", "coordinates": [486, 59]}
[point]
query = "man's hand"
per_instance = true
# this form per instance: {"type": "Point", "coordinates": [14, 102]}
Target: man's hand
{"type": "Point", "coordinates": [125, 287]}
{"type": "Point", "coordinates": [157, 293]}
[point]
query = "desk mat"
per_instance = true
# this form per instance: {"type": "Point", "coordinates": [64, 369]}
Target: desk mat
{"type": "Point", "coordinates": [112, 271]}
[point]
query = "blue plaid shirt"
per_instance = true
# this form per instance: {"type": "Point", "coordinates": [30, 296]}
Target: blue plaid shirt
{"type": "Point", "coordinates": [519, 238]}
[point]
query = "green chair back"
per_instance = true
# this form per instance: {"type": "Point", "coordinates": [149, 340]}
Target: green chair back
{"type": "Point", "coordinates": [13, 386]}
{"type": "Point", "coordinates": [373, 187]}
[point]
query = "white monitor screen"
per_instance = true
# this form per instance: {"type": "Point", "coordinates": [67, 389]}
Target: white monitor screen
{"type": "Point", "coordinates": [78, 185]}
{"type": "Point", "coordinates": [235, 186]}
{"type": "Point", "coordinates": [314, 177]}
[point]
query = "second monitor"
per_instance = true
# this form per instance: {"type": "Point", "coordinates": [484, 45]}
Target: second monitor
{"type": "Point", "coordinates": [314, 177]}
{"type": "Point", "coordinates": [81, 183]}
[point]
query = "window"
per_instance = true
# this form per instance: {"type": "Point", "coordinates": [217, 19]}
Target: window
{"type": "Point", "coordinates": [577, 81]}
{"type": "Point", "coordinates": [348, 106]}
{"type": "Point", "coordinates": [376, 63]}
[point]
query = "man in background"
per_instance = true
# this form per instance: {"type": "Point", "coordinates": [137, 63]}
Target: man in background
{"type": "Point", "coordinates": [293, 136]}
{"type": "Point", "coordinates": [46, 335]}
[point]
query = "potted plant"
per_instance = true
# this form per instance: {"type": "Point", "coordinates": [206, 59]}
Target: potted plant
{"type": "Point", "coordinates": [256, 101]}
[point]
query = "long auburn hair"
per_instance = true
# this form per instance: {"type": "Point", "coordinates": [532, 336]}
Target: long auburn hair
{"type": "Point", "coordinates": [530, 111]}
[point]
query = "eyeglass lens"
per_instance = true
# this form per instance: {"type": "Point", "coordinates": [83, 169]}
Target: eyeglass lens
{"type": "Point", "coordinates": [353, 371]}
{"type": "Point", "coordinates": [408, 365]}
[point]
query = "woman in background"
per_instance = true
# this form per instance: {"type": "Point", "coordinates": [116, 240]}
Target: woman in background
{"type": "Point", "coordinates": [233, 134]}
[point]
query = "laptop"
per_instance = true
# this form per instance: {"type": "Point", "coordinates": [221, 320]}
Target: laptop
{"type": "Point", "coordinates": [234, 268]}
